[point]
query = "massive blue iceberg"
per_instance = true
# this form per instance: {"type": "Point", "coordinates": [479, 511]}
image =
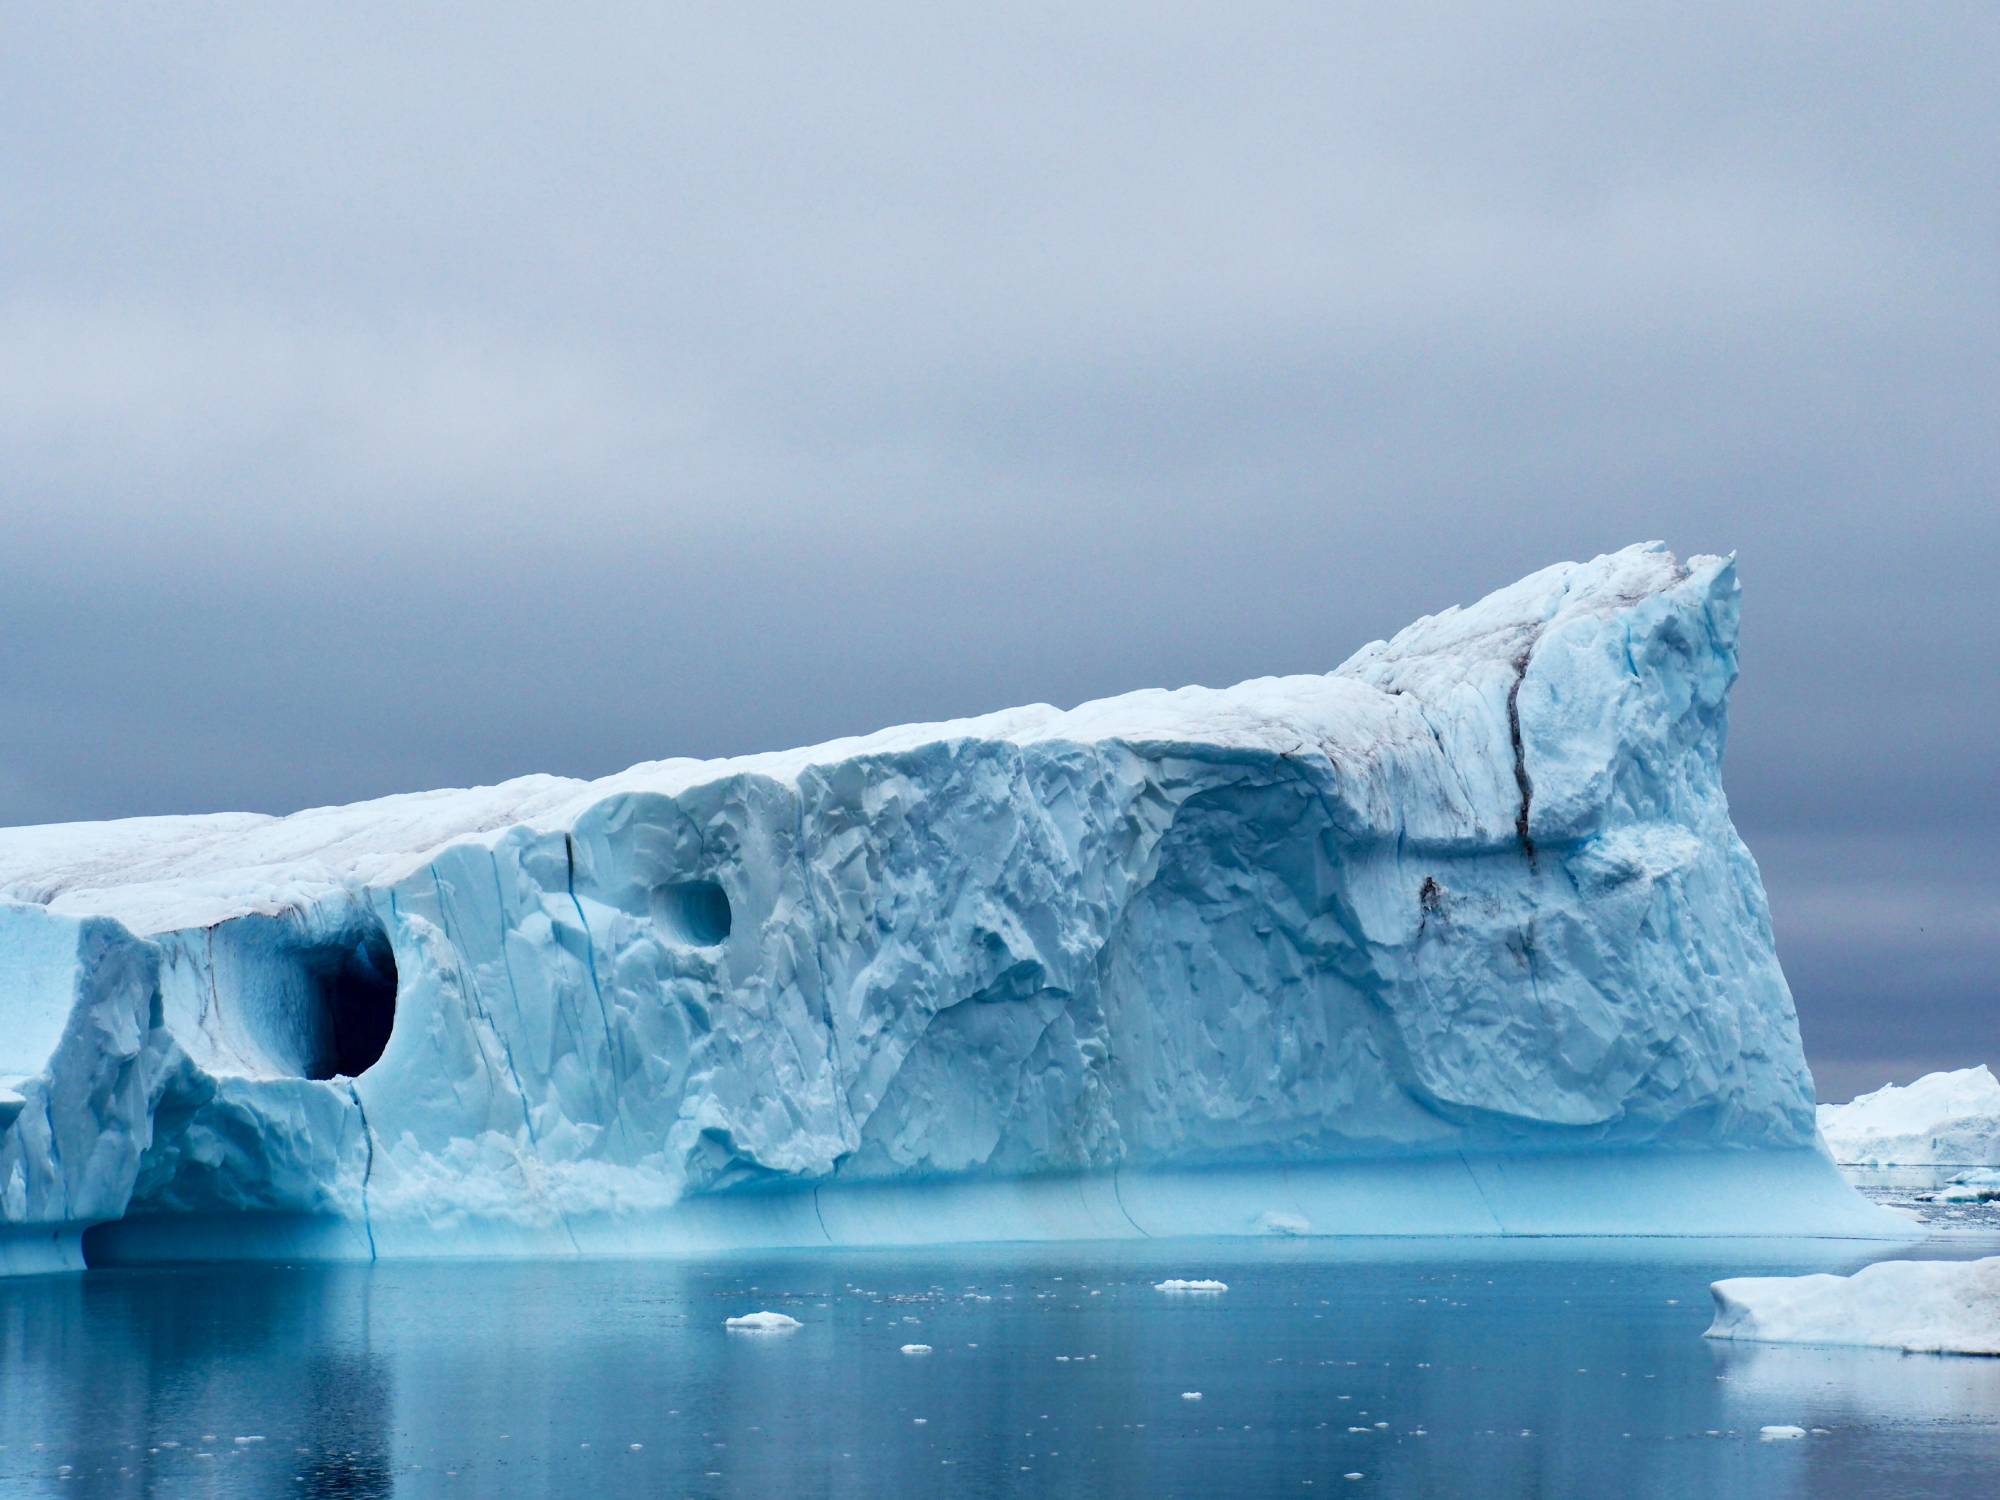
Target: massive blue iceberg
{"type": "Point", "coordinates": [1455, 939]}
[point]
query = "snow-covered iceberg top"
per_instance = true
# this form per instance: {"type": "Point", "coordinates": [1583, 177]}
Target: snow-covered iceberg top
{"type": "Point", "coordinates": [1943, 1119]}
{"type": "Point", "coordinates": [1922, 1306]}
{"type": "Point", "coordinates": [1456, 938]}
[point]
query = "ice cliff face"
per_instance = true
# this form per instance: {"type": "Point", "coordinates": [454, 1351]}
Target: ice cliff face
{"type": "Point", "coordinates": [1456, 938]}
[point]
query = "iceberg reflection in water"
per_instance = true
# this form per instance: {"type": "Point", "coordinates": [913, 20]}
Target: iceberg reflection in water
{"type": "Point", "coordinates": [1436, 1367]}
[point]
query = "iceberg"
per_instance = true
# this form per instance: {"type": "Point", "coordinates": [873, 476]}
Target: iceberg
{"type": "Point", "coordinates": [1949, 1119]}
{"type": "Point", "coordinates": [1457, 938]}
{"type": "Point", "coordinates": [1919, 1306]}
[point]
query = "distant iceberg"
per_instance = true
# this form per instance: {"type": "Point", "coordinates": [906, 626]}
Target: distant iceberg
{"type": "Point", "coordinates": [1943, 1119]}
{"type": "Point", "coordinates": [1921, 1306]}
{"type": "Point", "coordinates": [1455, 939]}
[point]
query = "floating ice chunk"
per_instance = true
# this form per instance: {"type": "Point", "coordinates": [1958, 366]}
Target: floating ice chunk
{"type": "Point", "coordinates": [1176, 1284]}
{"type": "Point", "coordinates": [1923, 1306]}
{"type": "Point", "coordinates": [916, 1348]}
{"type": "Point", "coordinates": [1980, 1186]}
{"type": "Point", "coordinates": [1190, 1395]}
{"type": "Point", "coordinates": [762, 1322]}
{"type": "Point", "coordinates": [1780, 1432]}
{"type": "Point", "coordinates": [1965, 1192]}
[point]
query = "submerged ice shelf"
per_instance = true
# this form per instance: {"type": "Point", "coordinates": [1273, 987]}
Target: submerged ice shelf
{"type": "Point", "coordinates": [1455, 939]}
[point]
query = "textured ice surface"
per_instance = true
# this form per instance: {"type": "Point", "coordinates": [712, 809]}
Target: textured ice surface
{"type": "Point", "coordinates": [1924, 1306]}
{"type": "Point", "coordinates": [1943, 1119]}
{"type": "Point", "coordinates": [1456, 939]}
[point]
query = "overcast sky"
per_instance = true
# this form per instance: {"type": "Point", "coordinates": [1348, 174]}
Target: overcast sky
{"type": "Point", "coordinates": [390, 401]}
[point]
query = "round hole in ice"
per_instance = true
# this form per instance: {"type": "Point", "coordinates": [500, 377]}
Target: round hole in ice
{"type": "Point", "coordinates": [353, 982]}
{"type": "Point", "coordinates": [693, 911]}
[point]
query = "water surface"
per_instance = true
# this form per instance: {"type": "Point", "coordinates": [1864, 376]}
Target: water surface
{"type": "Point", "coordinates": [1427, 1368]}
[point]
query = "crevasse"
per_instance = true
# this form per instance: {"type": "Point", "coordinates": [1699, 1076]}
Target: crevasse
{"type": "Point", "coordinates": [1455, 939]}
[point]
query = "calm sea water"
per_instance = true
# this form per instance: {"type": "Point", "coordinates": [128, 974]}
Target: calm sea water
{"type": "Point", "coordinates": [1546, 1368]}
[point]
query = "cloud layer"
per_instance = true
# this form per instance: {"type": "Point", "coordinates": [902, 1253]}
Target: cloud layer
{"type": "Point", "coordinates": [393, 401]}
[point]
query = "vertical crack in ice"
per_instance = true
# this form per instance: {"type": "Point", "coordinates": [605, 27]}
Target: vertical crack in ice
{"type": "Point", "coordinates": [836, 1054]}
{"type": "Point", "coordinates": [473, 998]}
{"type": "Point", "coordinates": [209, 997]}
{"type": "Point", "coordinates": [1480, 1188]}
{"type": "Point", "coordinates": [1448, 760]}
{"type": "Point", "coordinates": [612, 1049]}
{"type": "Point", "coordinates": [55, 1152]}
{"type": "Point", "coordinates": [367, 1165]}
{"type": "Point", "coordinates": [1521, 779]}
{"type": "Point", "coordinates": [506, 1047]}
{"type": "Point", "coordinates": [589, 943]}
{"type": "Point", "coordinates": [506, 958]}
{"type": "Point", "coordinates": [1118, 1197]}
{"type": "Point", "coordinates": [820, 1216]}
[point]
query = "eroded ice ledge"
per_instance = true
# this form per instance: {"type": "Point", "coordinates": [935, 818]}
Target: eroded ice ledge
{"type": "Point", "coordinates": [1457, 938]}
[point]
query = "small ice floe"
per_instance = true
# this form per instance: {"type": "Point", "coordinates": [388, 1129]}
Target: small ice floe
{"type": "Point", "coordinates": [762, 1322]}
{"type": "Point", "coordinates": [1177, 1284]}
{"type": "Point", "coordinates": [1970, 1187]}
{"type": "Point", "coordinates": [244, 1442]}
{"type": "Point", "coordinates": [1190, 1395]}
{"type": "Point", "coordinates": [916, 1348]}
{"type": "Point", "coordinates": [1780, 1432]}
{"type": "Point", "coordinates": [1921, 1306]}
